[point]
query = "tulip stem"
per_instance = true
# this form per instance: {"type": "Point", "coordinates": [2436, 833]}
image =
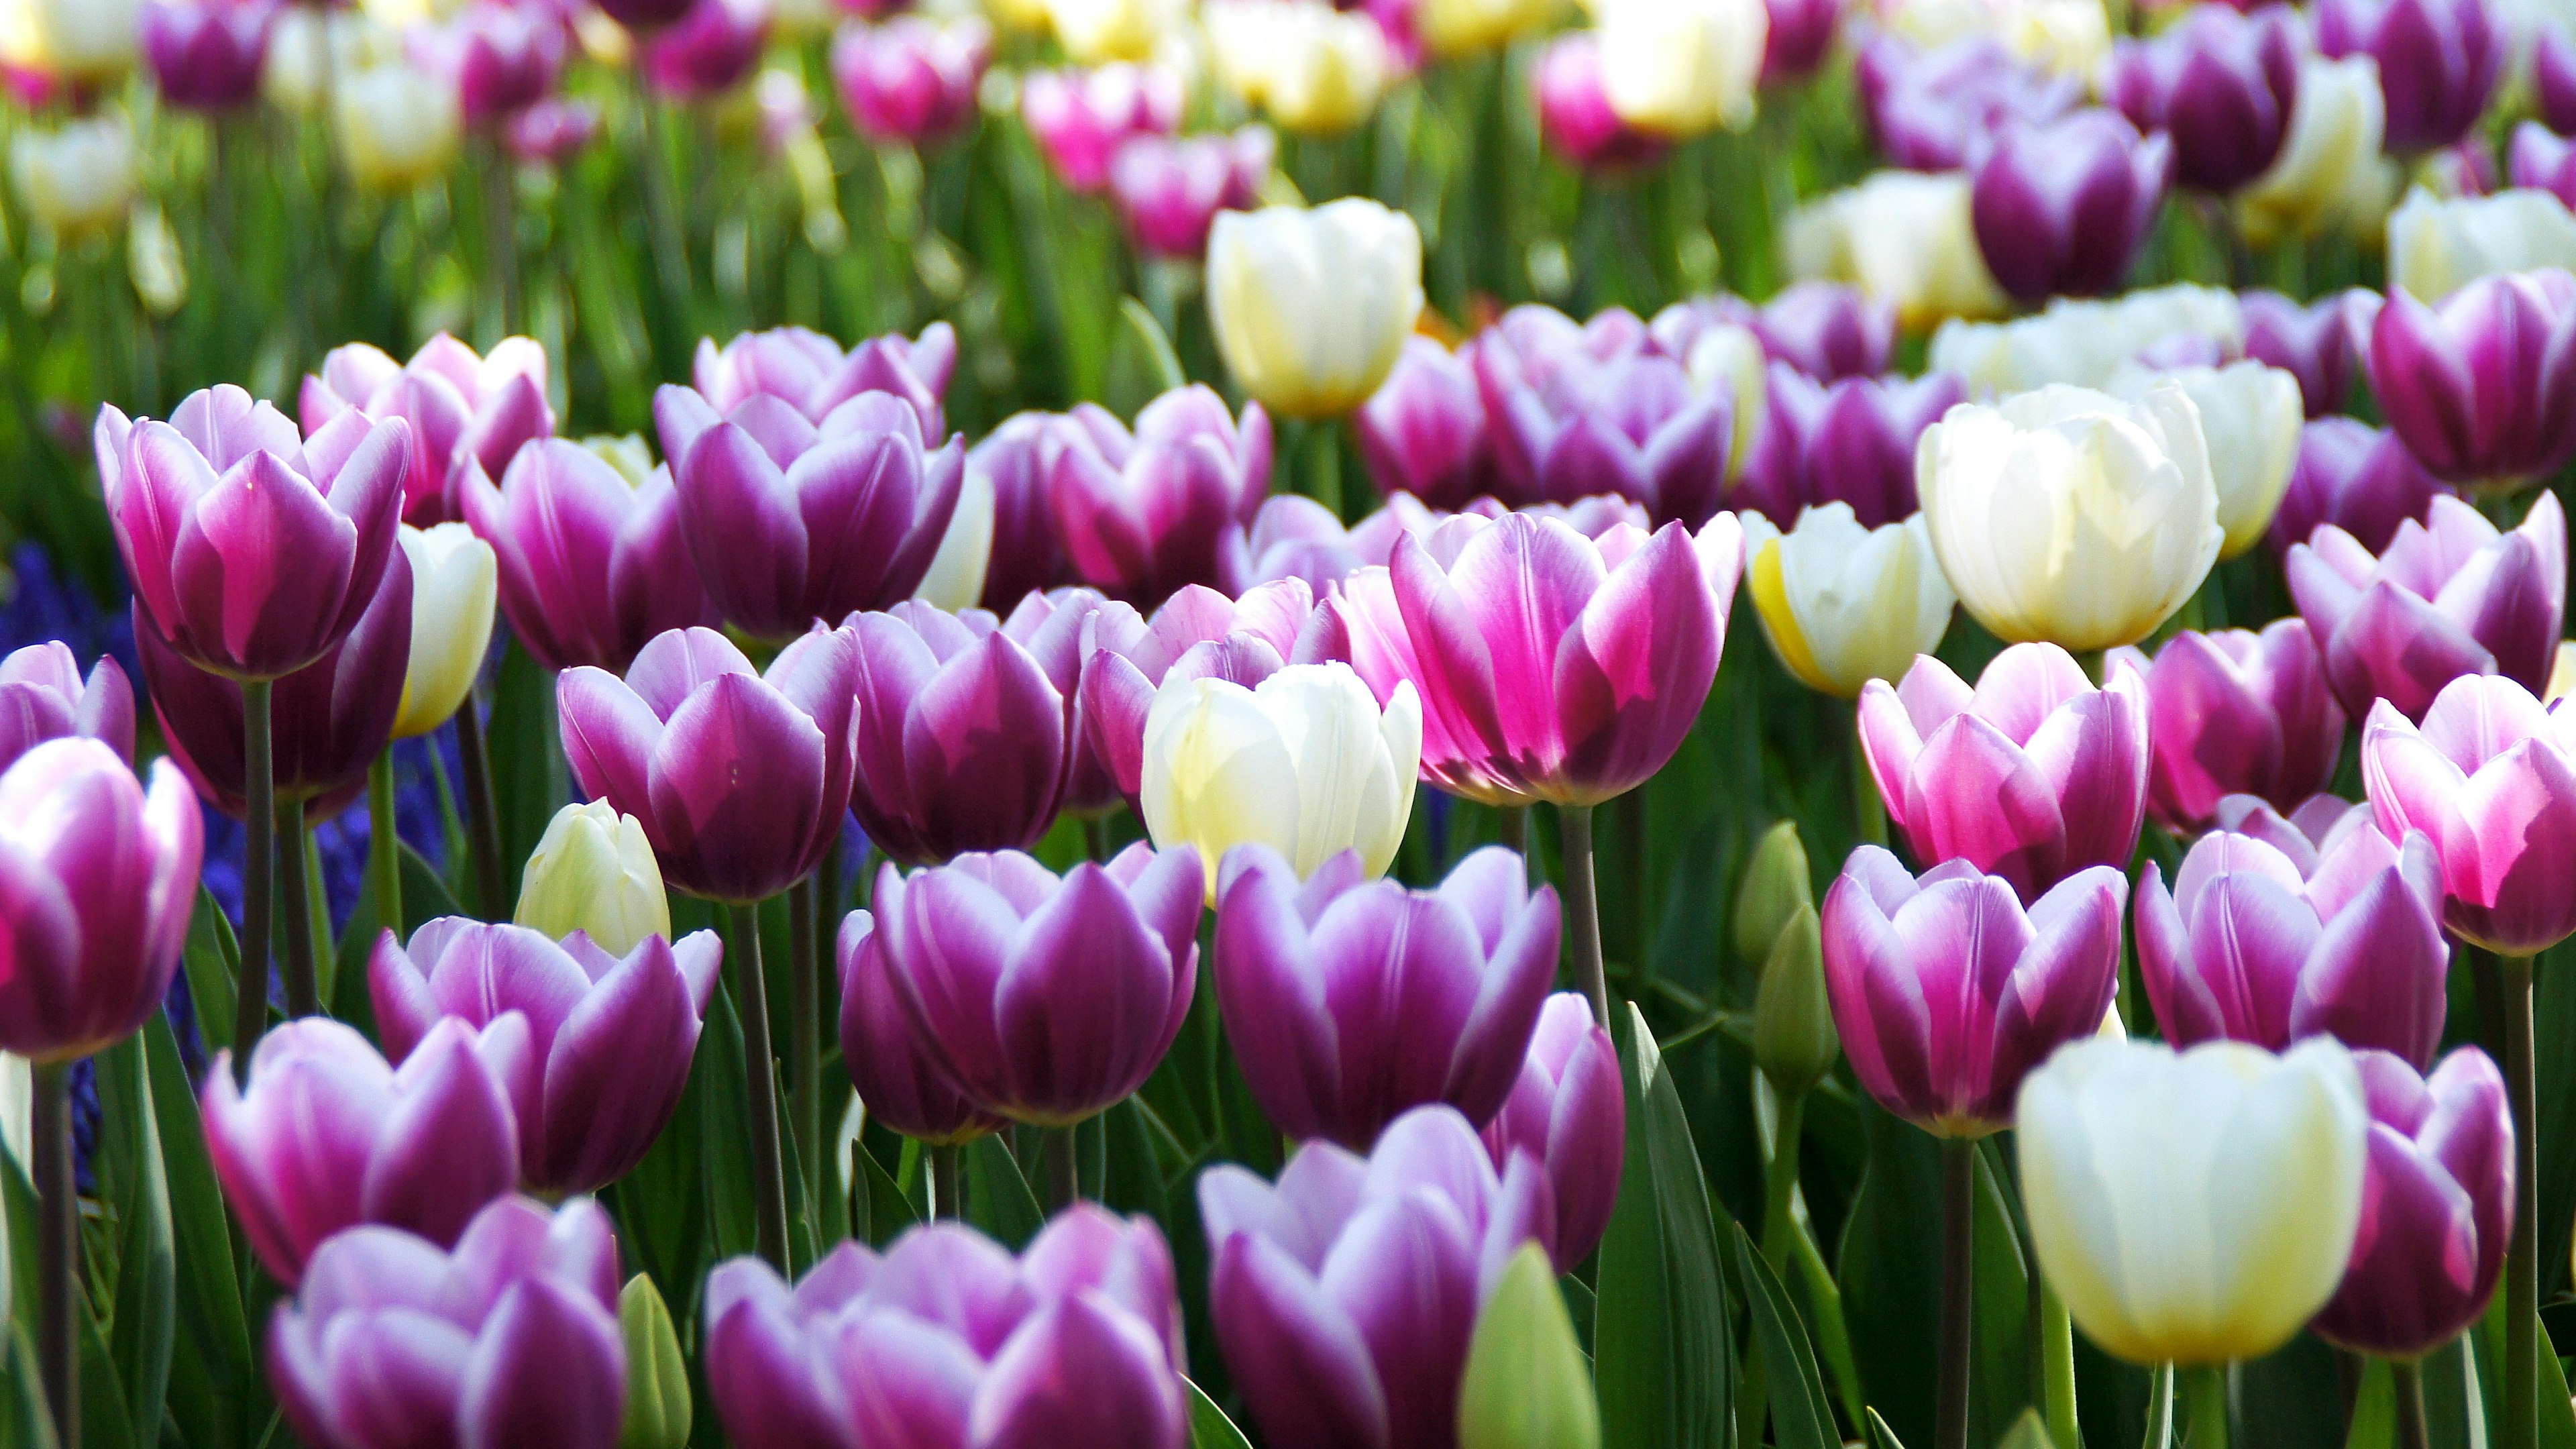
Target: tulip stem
{"type": "Point", "coordinates": [1512, 827]}
{"type": "Point", "coordinates": [1869, 811]}
{"type": "Point", "coordinates": [1583, 908]}
{"type": "Point", "coordinates": [2057, 1367]}
{"type": "Point", "coordinates": [760, 1086]}
{"type": "Point", "coordinates": [384, 843]}
{"type": "Point", "coordinates": [501, 231]}
{"type": "Point", "coordinates": [945, 1175]}
{"type": "Point", "coordinates": [2521, 1427]}
{"type": "Point", "coordinates": [2160, 1407]}
{"type": "Point", "coordinates": [805, 1044]}
{"type": "Point", "coordinates": [293, 880]}
{"type": "Point", "coordinates": [482, 814]}
{"type": "Point", "coordinates": [57, 1288]}
{"type": "Point", "coordinates": [1779, 1219]}
{"type": "Point", "coordinates": [1958, 1282]}
{"type": "Point", "coordinates": [2408, 1378]}
{"type": "Point", "coordinates": [1064, 1167]}
{"type": "Point", "coordinates": [2204, 1393]}
{"type": "Point", "coordinates": [1095, 838]}
{"type": "Point", "coordinates": [259, 859]}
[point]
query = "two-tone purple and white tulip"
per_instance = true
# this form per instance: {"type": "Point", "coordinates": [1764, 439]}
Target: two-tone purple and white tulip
{"type": "Point", "coordinates": [207, 55]}
{"type": "Point", "coordinates": [2439, 61]}
{"type": "Point", "coordinates": [459, 404]}
{"type": "Point", "coordinates": [2481, 385]}
{"type": "Point", "coordinates": [43, 697]}
{"type": "Point", "coordinates": [1170, 189]}
{"type": "Point", "coordinates": [1846, 441]}
{"type": "Point", "coordinates": [2311, 341]}
{"type": "Point", "coordinates": [1568, 1114]}
{"type": "Point", "coordinates": [710, 48]}
{"type": "Point", "coordinates": [1143, 513]}
{"type": "Point", "coordinates": [2237, 713]}
{"type": "Point", "coordinates": [1198, 633]}
{"type": "Point", "coordinates": [814, 375]}
{"type": "Point", "coordinates": [2359, 478]}
{"type": "Point", "coordinates": [592, 563]}
{"type": "Point", "coordinates": [1080, 118]}
{"type": "Point", "coordinates": [2061, 208]}
{"type": "Point", "coordinates": [1933, 110]}
{"type": "Point", "coordinates": [1424, 431]}
{"type": "Point", "coordinates": [911, 80]}
{"type": "Point", "coordinates": [1575, 114]}
{"type": "Point", "coordinates": [2223, 84]}
{"type": "Point", "coordinates": [1566, 426]}
{"type": "Point", "coordinates": [2490, 778]}
{"type": "Point", "coordinates": [893, 1067]}
{"type": "Point", "coordinates": [964, 740]}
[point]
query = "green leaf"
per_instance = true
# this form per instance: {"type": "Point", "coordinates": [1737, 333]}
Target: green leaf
{"type": "Point", "coordinates": [213, 963]}
{"type": "Point", "coordinates": [1801, 1417]}
{"type": "Point", "coordinates": [146, 1269]}
{"type": "Point", "coordinates": [105, 1424]}
{"type": "Point", "coordinates": [24, 1424]}
{"type": "Point", "coordinates": [998, 1200]}
{"type": "Point", "coordinates": [724, 1127]}
{"type": "Point", "coordinates": [1209, 1427]}
{"type": "Point", "coordinates": [2374, 1409]}
{"type": "Point", "coordinates": [1881, 1436]}
{"type": "Point", "coordinates": [1890, 1269]}
{"type": "Point", "coordinates": [18, 1217]}
{"type": "Point", "coordinates": [1135, 1180]}
{"type": "Point", "coordinates": [213, 1378]}
{"type": "Point", "coordinates": [425, 893]}
{"type": "Point", "coordinates": [529, 778]}
{"type": "Point", "coordinates": [890, 1209]}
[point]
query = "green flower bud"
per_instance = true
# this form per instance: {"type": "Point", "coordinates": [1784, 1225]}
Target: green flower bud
{"type": "Point", "coordinates": [657, 1379]}
{"type": "Point", "coordinates": [1794, 1041]}
{"type": "Point", "coordinates": [1527, 1384]}
{"type": "Point", "coordinates": [1774, 888]}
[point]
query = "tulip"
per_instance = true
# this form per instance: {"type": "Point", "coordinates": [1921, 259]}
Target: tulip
{"type": "Point", "coordinates": [325, 1135]}
{"type": "Point", "coordinates": [1357, 1000]}
{"type": "Point", "coordinates": [2359, 478]}
{"type": "Point", "coordinates": [2487, 777]}
{"type": "Point", "coordinates": [1527, 643]}
{"type": "Point", "coordinates": [510, 1339]}
{"type": "Point", "coordinates": [1453, 28]}
{"type": "Point", "coordinates": [1826, 330]}
{"type": "Point", "coordinates": [1566, 1113]}
{"type": "Point", "coordinates": [1799, 36]}
{"type": "Point", "coordinates": [397, 127]}
{"type": "Point", "coordinates": [1094, 32]}
{"type": "Point", "coordinates": [1314, 69]}
{"type": "Point", "coordinates": [1026, 554]}
{"type": "Point", "coordinates": [2437, 1207]}
{"type": "Point", "coordinates": [1081, 118]}
{"type": "Point", "coordinates": [963, 738]}
{"type": "Point", "coordinates": [309, 49]}
{"type": "Point", "coordinates": [87, 42]}
{"type": "Point", "coordinates": [946, 1340]}
{"type": "Point", "coordinates": [646, 17]}
{"type": "Point", "coordinates": [2540, 159]}
{"type": "Point", "coordinates": [911, 80]}
{"type": "Point", "coordinates": [2222, 84]}
{"type": "Point", "coordinates": [2249, 420]}
{"type": "Point", "coordinates": [1568, 428]}
{"type": "Point", "coordinates": [77, 177]}
{"type": "Point", "coordinates": [955, 578]}
{"type": "Point", "coordinates": [2553, 78]}
{"type": "Point", "coordinates": [1913, 245]}
{"type": "Point", "coordinates": [2330, 173]}
{"type": "Point", "coordinates": [43, 697]}
{"type": "Point", "coordinates": [206, 54]}
{"type": "Point", "coordinates": [1144, 513]}
{"type": "Point", "coordinates": [1849, 442]}
{"type": "Point", "coordinates": [591, 564]}
{"type": "Point", "coordinates": [1170, 191]}
{"type": "Point", "coordinates": [789, 523]}
{"type": "Point", "coordinates": [1842, 604]}
{"type": "Point", "coordinates": [2034, 776]}
{"type": "Point", "coordinates": [2237, 713]}
{"type": "Point", "coordinates": [1575, 114]}
{"type": "Point", "coordinates": [552, 131]}
{"type": "Point", "coordinates": [1199, 633]}
{"type": "Point", "coordinates": [810, 373]}
{"type": "Point", "coordinates": [1424, 431]}
{"type": "Point", "coordinates": [607, 1039]}
{"type": "Point", "coordinates": [2439, 60]}
{"type": "Point", "coordinates": [1527, 1383]}
{"type": "Point", "coordinates": [2437, 245]}
{"type": "Point", "coordinates": [2063, 208]}
{"type": "Point", "coordinates": [708, 50]}
{"type": "Point", "coordinates": [2088, 343]}
{"type": "Point", "coordinates": [894, 1068]}
{"type": "Point", "coordinates": [500, 59]}
{"type": "Point", "coordinates": [2448, 597]}
{"type": "Point", "coordinates": [1294, 536]}
{"type": "Point", "coordinates": [2313, 342]}
{"type": "Point", "coordinates": [1681, 67]}
{"type": "Point", "coordinates": [1059, 632]}
{"type": "Point", "coordinates": [593, 872]}
{"type": "Point", "coordinates": [453, 578]}
{"type": "Point", "coordinates": [1346, 1295]}
{"type": "Point", "coordinates": [1930, 110]}
{"type": "Point", "coordinates": [460, 407]}
{"type": "Point", "coordinates": [1311, 307]}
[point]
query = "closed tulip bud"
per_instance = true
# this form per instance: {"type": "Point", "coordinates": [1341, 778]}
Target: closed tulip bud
{"type": "Point", "coordinates": [2439, 61]}
{"type": "Point", "coordinates": [2490, 776]}
{"type": "Point", "coordinates": [511, 1338]}
{"type": "Point", "coordinates": [1081, 118]}
{"type": "Point", "coordinates": [2311, 341]}
{"type": "Point", "coordinates": [326, 1136]}
{"type": "Point", "coordinates": [1568, 1114]}
{"type": "Point", "coordinates": [1311, 307]}
{"type": "Point", "coordinates": [43, 697]}
{"type": "Point", "coordinates": [1423, 433]}
{"type": "Point", "coordinates": [658, 1407]}
{"type": "Point", "coordinates": [1774, 889]}
{"type": "Point", "coordinates": [2033, 776]}
{"type": "Point", "coordinates": [452, 592]}
{"type": "Point", "coordinates": [591, 562]}
{"type": "Point", "coordinates": [2329, 175]}
{"type": "Point", "coordinates": [1171, 190]}
{"type": "Point", "coordinates": [1145, 513]}
{"type": "Point", "coordinates": [911, 80]}
{"type": "Point", "coordinates": [1527, 1383]}
{"type": "Point", "coordinates": [2437, 1207]}
{"type": "Point", "coordinates": [2249, 421]}
{"type": "Point", "coordinates": [1575, 114]}
{"type": "Point", "coordinates": [2087, 343]}
{"type": "Point", "coordinates": [1794, 1042]}
{"type": "Point", "coordinates": [2437, 245]}
{"type": "Point", "coordinates": [206, 54]}
{"type": "Point", "coordinates": [461, 408]}
{"type": "Point", "coordinates": [1682, 67]}
{"type": "Point", "coordinates": [709, 50]}
{"type": "Point", "coordinates": [1841, 604]}
{"type": "Point", "coordinates": [2481, 386]}
{"type": "Point", "coordinates": [895, 1068]}
{"type": "Point", "coordinates": [1097, 31]}
{"type": "Point", "coordinates": [593, 871]}
{"type": "Point", "coordinates": [81, 41]}
{"type": "Point", "coordinates": [2061, 209]}
{"type": "Point", "coordinates": [1849, 442]}
{"type": "Point", "coordinates": [77, 177]}
{"type": "Point", "coordinates": [2070, 516]}
{"type": "Point", "coordinates": [2193, 1208]}
{"type": "Point", "coordinates": [1314, 69]}
{"type": "Point", "coordinates": [2237, 713]}
{"type": "Point", "coordinates": [741, 780]}
{"type": "Point", "coordinates": [1198, 633]}
{"type": "Point", "coordinates": [2448, 597]}
{"type": "Point", "coordinates": [1913, 244]}
{"type": "Point", "coordinates": [397, 127]}
{"type": "Point", "coordinates": [2222, 84]}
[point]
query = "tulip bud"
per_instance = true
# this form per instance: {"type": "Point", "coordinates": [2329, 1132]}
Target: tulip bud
{"type": "Point", "coordinates": [1311, 307]}
{"type": "Point", "coordinates": [1682, 67]}
{"type": "Point", "coordinates": [593, 871]}
{"type": "Point", "coordinates": [1527, 1385]}
{"type": "Point", "coordinates": [397, 127]}
{"type": "Point", "coordinates": [453, 582]}
{"type": "Point", "coordinates": [2437, 245]}
{"type": "Point", "coordinates": [77, 177]}
{"type": "Point", "coordinates": [1774, 889]}
{"type": "Point", "coordinates": [658, 1408]}
{"type": "Point", "coordinates": [709, 50]}
{"type": "Point", "coordinates": [1794, 1042]}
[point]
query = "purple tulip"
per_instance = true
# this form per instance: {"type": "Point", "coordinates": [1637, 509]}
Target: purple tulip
{"type": "Point", "coordinates": [1170, 189]}
{"type": "Point", "coordinates": [2481, 386]}
{"type": "Point", "coordinates": [2313, 827]}
{"type": "Point", "coordinates": [43, 697]}
{"type": "Point", "coordinates": [1044, 1000]}
{"type": "Point", "coordinates": [1932, 111]}
{"type": "Point", "coordinates": [2253, 947]}
{"type": "Point", "coordinates": [326, 1136]}
{"type": "Point", "coordinates": [100, 878]}
{"type": "Point", "coordinates": [1345, 1296]}
{"type": "Point", "coordinates": [500, 58]}
{"type": "Point", "coordinates": [947, 1342]}
{"type": "Point", "coordinates": [2450, 596]}
{"type": "Point", "coordinates": [1551, 666]}
{"type": "Point", "coordinates": [645, 17]}
{"type": "Point", "coordinates": [1080, 118]}
{"type": "Point", "coordinates": [1568, 1113]}
{"type": "Point", "coordinates": [609, 1041]}
{"type": "Point", "coordinates": [2488, 777]}
{"type": "Point", "coordinates": [2437, 1207]}
{"type": "Point", "coordinates": [1574, 111]}
{"type": "Point", "coordinates": [1947, 992]}
{"type": "Point", "coordinates": [1801, 34]}
{"type": "Point", "coordinates": [2062, 208]}
{"type": "Point", "coordinates": [740, 779]}
{"type": "Point", "coordinates": [2543, 160]}
{"type": "Point", "coordinates": [810, 373]}
{"type": "Point", "coordinates": [460, 407]}
{"type": "Point", "coordinates": [711, 48]}
{"type": "Point", "coordinates": [1424, 431]}
{"type": "Point", "coordinates": [2222, 84]}
{"type": "Point", "coordinates": [552, 131]}
{"type": "Point", "coordinates": [252, 550]}
{"type": "Point", "coordinates": [512, 1339]}
{"type": "Point", "coordinates": [2033, 776]}
{"type": "Point", "coordinates": [1057, 630]}
{"type": "Point", "coordinates": [1850, 441]}
{"type": "Point", "coordinates": [2553, 79]}
{"type": "Point", "coordinates": [2312, 342]}
{"type": "Point", "coordinates": [328, 721]}
{"type": "Point", "coordinates": [2236, 713]}
{"type": "Point", "coordinates": [963, 737]}
{"type": "Point", "coordinates": [1027, 555]}
{"type": "Point", "coordinates": [591, 564]}
{"type": "Point", "coordinates": [1565, 426]}
{"type": "Point", "coordinates": [1827, 330]}
{"type": "Point", "coordinates": [911, 80]}
{"type": "Point", "coordinates": [2439, 61]}
{"type": "Point", "coordinates": [206, 55]}
{"type": "Point", "coordinates": [2359, 478]}
{"type": "Point", "coordinates": [1197, 633]}
{"type": "Point", "coordinates": [1352, 1001]}
{"type": "Point", "coordinates": [891, 1065]}
{"type": "Point", "coordinates": [1144, 513]}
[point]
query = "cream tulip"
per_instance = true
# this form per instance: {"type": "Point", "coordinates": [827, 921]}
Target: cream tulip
{"type": "Point", "coordinates": [397, 127]}
{"type": "Point", "coordinates": [298, 69]}
{"type": "Point", "coordinates": [1841, 604]}
{"type": "Point", "coordinates": [1909, 240]}
{"type": "Point", "coordinates": [955, 581]}
{"type": "Point", "coordinates": [1728, 354]}
{"type": "Point", "coordinates": [78, 177]}
{"type": "Point", "coordinates": [78, 40]}
{"type": "Point", "coordinates": [2250, 416]}
{"type": "Point", "coordinates": [2193, 1208]}
{"type": "Point", "coordinates": [2083, 343]}
{"type": "Point", "coordinates": [1304, 762]}
{"type": "Point", "coordinates": [1094, 32]}
{"type": "Point", "coordinates": [1311, 307]}
{"type": "Point", "coordinates": [628, 453]}
{"type": "Point", "coordinates": [1463, 27]}
{"type": "Point", "coordinates": [594, 871]}
{"type": "Point", "coordinates": [1682, 67]}
{"type": "Point", "coordinates": [1315, 70]}
{"type": "Point", "coordinates": [2329, 171]}
{"type": "Point", "coordinates": [455, 578]}
{"type": "Point", "coordinates": [2069, 516]}
{"type": "Point", "coordinates": [2439, 244]}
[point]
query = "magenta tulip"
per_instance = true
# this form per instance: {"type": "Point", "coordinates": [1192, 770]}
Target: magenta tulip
{"type": "Point", "coordinates": [1565, 426]}
{"type": "Point", "coordinates": [1080, 118]}
{"type": "Point", "coordinates": [326, 1136]}
{"type": "Point", "coordinates": [1850, 441]}
{"type": "Point", "coordinates": [2317, 823]}
{"type": "Point", "coordinates": [2359, 478]}
{"type": "Point", "coordinates": [206, 55]}
{"type": "Point", "coordinates": [511, 1339]}
{"type": "Point", "coordinates": [2543, 160]}
{"type": "Point", "coordinates": [1170, 190]}
{"type": "Point", "coordinates": [708, 50]}
{"type": "Point", "coordinates": [1827, 330]}
{"type": "Point", "coordinates": [1027, 555]}
{"type": "Point", "coordinates": [1575, 115]}
{"type": "Point", "coordinates": [43, 697]}
{"type": "Point", "coordinates": [964, 740]}
{"type": "Point", "coordinates": [911, 80]}
{"type": "Point", "coordinates": [2481, 386]}
{"type": "Point", "coordinates": [2222, 83]}
{"type": "Point", "coordinates": [2439, 61]}
{"type": "Point", "coordinates": [552, 131]}
{"type": "Point", "coordinates": [891, 1065]}
{"type": "Point", "coordinates": [592, 565]}
{"type": "Point", "coordinates": [1144, 513]}
{"type": "Point", "coordinates": [500, 58]}
{"type": "Point", "coordinates": [1933, 110]}
{"type": "Point", "coordinates": [2061, 209]}
{"type": "Point", "coordinates": [1801, 33]}
{"type": "Point", "coordinates": [2488, 776]}
{"type": "Point", "coordinates": [460, 406]}
{"type": "Point", "coordinates": [1568, 1114]}
{"type": "Point", "coordinates": [810, 373]}
{"type": "Point", "coordinates": [2236, 713]}
{"type": "Point", "coordinates": [2312, 342]}
{"type": "Point", "coordinates": [1424, 431]}
{"type": "Point", "coordinates": [1197, 633]}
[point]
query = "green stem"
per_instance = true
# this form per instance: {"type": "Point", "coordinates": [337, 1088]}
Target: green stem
{"type": "Point", "coordinates": [1064, 1167]}
{"type": "Point", "coordinates": [259, 860]}
{"type": "Point", "coordinates": [945, 1176]}
{"type": "Point", "coordinates": [2204, 1392]}
{"type": "Point", "coordinates": [57, 1289]}
{"type": "Point", "coordinates": [805, 1044]}
{"type": "Point", "coordinates": [1095, 838]}
{"type": "Point", "coordinates": [661, 212]}
{"type": "Point", "coordinates": [1779, 1219]}
{"type": "Point", "coordinates": [2521, 1427]}
{"type": "Point", "coordinates": [2057, 1368]}
{"type": "Point", "coordinates": [2160, 1408]}
{"type": "Point", "coordinates": [501, 233]}
{"type": "Point", "coordinates": [482, 814]}
{"type": "Point", "coordinates": [1512, 827]}
{"type": "Point", "coordinates": [1958, 1283]}
{"type": "Point", "coordinates": [1869, 810]}
{"type": "Point", "coordinates": [384, 843]}
{"type": "Point", "coordinates": [2407, 1376]}
{"type": "Point", "coordinates": [1583, 908]}
{"type": "Point", "coordinates": [303, 997]}
{"type": "Point", "coordinates": [760, 1086]}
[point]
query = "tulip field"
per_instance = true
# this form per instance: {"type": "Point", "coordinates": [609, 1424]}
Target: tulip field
{"type": "Point", "coordinates": [1287, 724]}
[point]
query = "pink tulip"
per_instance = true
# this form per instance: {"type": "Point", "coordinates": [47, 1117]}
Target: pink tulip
{"type": "Point", "coordinates": [711, 48]}
{"type": "Point", "coordinates": [459, 405]}
{"type": "Point", "coordinates": [1574, 110]}
{"type": "Point", "coordinates": [911, 80]}
{"type": "Point", "coordinates": [1170, 190]}
{"type": "Point", "coordinates": [1081, 118]}
{"type": "Point", "coordinates": [2236, 713]}
{"type": "Point", "coordinates": [2490, 777]}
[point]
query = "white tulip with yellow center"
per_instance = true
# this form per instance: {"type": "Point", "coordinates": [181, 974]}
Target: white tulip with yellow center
{"type": "Point", "coordinates": [594, 871]}
{"type": "Point", "coordinates": [2193, 1208]}
{"type": "Point", "coordinates": [956, 577]}
{"type": "Point", "coordinates": [78, 40]}
{"type": "Point", "coordinates": [2329, 172]}
{"type": "Point", "coordinates": [1311, 307]}
{"type": "Point", "coordinates": [2439, 244]}
{"type": "Point", "coordinates": [1462, 27]}
{"type": "Point", "coordinates": [2070, 516]}
{"type": "Point", "coordinates": [397, 126]}
{"type": "Point", "coordinates": [77, 177]}
{"type": "Point", "coordinates": [2083, 343]}
{"type": "Point", "coordinates": [1315, 70]}
{"type": "Point", "coordinates": [1682, 67]}
{"type": "Point", "coordinates": [2250, 416]}
{"type": "Point", "coordinates": [1841, 604]}
{"type": "Point", "coordinates": [1908, 240]}
{"type": "Point", "coordinates": [454, 579]}
{"type": "Point", "coordinates": [296, 71]}
{"type": "Point", "coordinates": [1729, 355]}
{"type": "Point", "coordinates": [2068, 37]}
{"type": "Point", "coordinates": [1095, 32]}
{"type": "Point", "coordinates": [1304, 762]}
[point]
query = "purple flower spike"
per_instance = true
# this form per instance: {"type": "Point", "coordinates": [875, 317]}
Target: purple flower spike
{"type": "Point", "coordinates": [2439, 61]}
{"type": "Point", "coordinates": [2061, 209]}
{"type": "Point", "coordinates": [1143, 513]}
{"type": "Point", "coordinates": [1947, 992]}
{"type": "Point", "coordinates": [2491, 778]}
{"type": "Point", "coordinates": [461, 408]}
{"type": "Point", "coordinates": [592, 564]}
{"type": "Point", "coordinates": [1850, 441]}
{"type": "Point", "coordinates": [394, 1343]}
{"type": "Point", "coordinates": [1424, 432]}
{"type": "Point", "coordinates": [1568, 1113]}
{"type": "Point", "coordinates": [609, 1041]}
{"type": "Point", "coordinates": [43, 697]}
{"type": "Point", "coordinates": [964, 740]}
{"type": "Point", "coordinates": [2481, 386]}
{"type": "Point", "coordinates": [2359, 478]}
{"type": "Point", "coordinates": [2222, 84]}
{"type": "Point", "coordinates": [207, 54]}
{"type": "Point", "coordinates": [2237, 713]}
{"type": "Point", "coordinates": [2312, 342]}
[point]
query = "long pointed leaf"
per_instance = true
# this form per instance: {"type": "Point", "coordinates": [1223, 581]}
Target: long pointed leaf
{"type": "Point", "coordinates": [146, 1265]}
{"type": "Point", "coordinates": [1801, 1418]}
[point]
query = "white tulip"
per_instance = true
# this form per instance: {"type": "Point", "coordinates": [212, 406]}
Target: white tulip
{"type": "Point", "coordinates": [1311, 307]}
{"type": "Point", "coordinates": [593, 871]}
{"type": "Point", "coordinates": [454, 581]}
{"type": "Point", "coordinates": [2083, 343]}
{"type": "Point", "coordinates": [2439, 244]}
{"type": "Point", "coordinates": [1730, 356]}
{"type": "Point", "coordinates": [1682, 67]}
{"type": "Point", "coordinates": [2250, 416]}
{"type": "Point", "coordinates": [297, 69]}
{"type": "Point", "coordinates": [1462, 27]}
{"type": "Point", "coordinates": [78, 177]}
{"type": "Point", "coordinates": [1094, 32]}
{"type": "Point", "coordinates": [397, 126]}
{"type": "Point", "coordinates": [1316, 70]}
{"type": "Point", "coordinates": [955, 581]}
{"type": "Point", "coordinates": [83, 40]}
{"type": "Point", "coordinates": [1842, 604]}
{"type": "Point", "coordinates": [2329, 170]}
{"type": "Point", "coordinates": [1909, 240]}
